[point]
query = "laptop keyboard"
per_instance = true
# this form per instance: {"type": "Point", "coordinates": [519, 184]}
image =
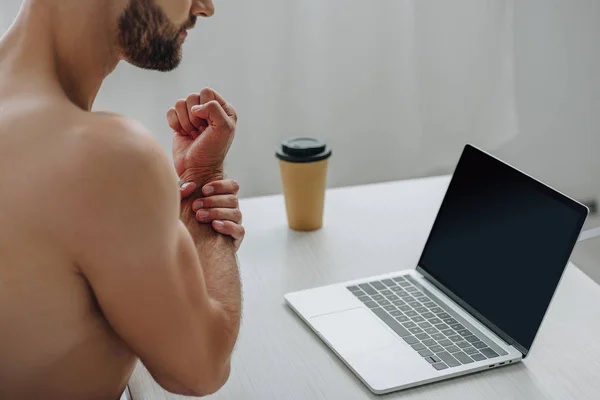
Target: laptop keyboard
{"type": "Point", "coordinates": [440, 339]}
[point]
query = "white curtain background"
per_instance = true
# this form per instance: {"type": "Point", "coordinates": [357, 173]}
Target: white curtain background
{"type": "Point", "coordinates": [396, 87]}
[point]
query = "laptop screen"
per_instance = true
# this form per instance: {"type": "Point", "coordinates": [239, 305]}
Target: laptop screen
{"type": "Point", "coordinates": [499, 245]}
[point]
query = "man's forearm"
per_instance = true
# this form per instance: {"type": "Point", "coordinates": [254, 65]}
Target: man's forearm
{"type": "Point", "coordinates": [219, 263]}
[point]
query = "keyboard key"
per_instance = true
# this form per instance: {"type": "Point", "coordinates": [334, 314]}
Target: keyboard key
{"type": "Point", "coordinates": [431, 331]}
{"type": "Point", "coordinates": [429, 342]}
{"type": "Point", "coordinates": [398, 279]}
{"type": "Point", "coordinates": [409, 325]}
{"type": "Point", "coordinates": [411, 289]}
{"type": "Point", "coordinates": [463, 344]}
{"type": "Point", "coordinates": [389, 308]}
{"type": "Point", "coordinates": [398, 303]}
{"type": "Point", "coordinates": [440, 366]}
{"type": "Point", "coordinates": [358, 292]}
{"type": "Point", "coordinates": [422, 299]}
{"type": "Point", "coordinates": [416, 330]}
{"type": "Point", "coordinates": [425, 325]}
{"type": "Point", "coordinates": [414, 304]}
{"type": "Point", "coordinates": [441, 327]}
{"type": "Point", "coordinates": [430, 360]}
{"type": "Point", "coordinates": [384, 302]}
{"type": "Point", "coordinates": [428, 315]}
{"type": "Point", "coordinates": [472, 339]}
{"type": "Point", "coordinates": [452, 349]}
{"type": "Point", "coordinates": [437, 310]}
{"type": "Point", "coordinates": [425, 353]}
{"type": "Point", "coordinates": [470, 350]}
{"type": "Point", "coordinates": [405, 296]}
{"type": "Point", "coordinates": [353, 288]}
{"type": "Point", "coordinates": [367, 288]}
{"type": "Point", "coordinates": [411, 313]}
{"type": "Point", "coordinates": [438, 337]}
{"type": "Point", "coordinates": [479, 345]}
{"type": "Point", "coordinates": [445, 342]}
{"type": "Point", "coordinates": [462, 357]}
{"type": "Point", "coordinates": [418, 318]}
{"type": "Point", "coordinates": [422, 336]}
{"type": "Point", "coordinates": [489, 353]}
{"type": "Point", "coordinates": [396, 313]}
{"type": "Point", "coordinates": [371, 304]}
{"type": "Point", "coordinates": [421, 309]}
{"type": "Point", "coordinates": [405, 308]}
{"type": "Point", "coordinates": [464, 332]}
{"type": "Point", "coordinates": [448, 332]}
{"type": "Point", "coordinates": [450, 321]}
{"type": "Point", "coordinates": [478, 357]}
{"type": "Point", "coordinates": [391, 322]}
{"type": "Point", "coordinates": [435, 321]}
{"type": "Point", "coordinates": [377, 285]}
{"type": "Point", "coordinates": [392, 297]}
{"type": "Point", "coordinates": [448, 359]}
{"type": "Point", "coordinates": [396, 289]}
{"type": "Point", "coordinates": [403, 318]}
{"type": "Point", "coordinates": [389, 282]}
{"type": "Point", "coordinates": [411, 339]}
{"type": "Point", "coordinates": [430, 304]}
{"type": "Point", "coordinates": [436, 348]}
{"type": "Point", "coordinates": [404, 284]}
{"type": "Point", "coordinates": [457, 327]}
{"type": "Point", "coordinates": [444, 315]}
{"type": "Point", "coordinates": [455, 338]}
{"type": "Point", "coordinates": [418, 347]}
{"type": "Point", "coordinates": [386, 292]}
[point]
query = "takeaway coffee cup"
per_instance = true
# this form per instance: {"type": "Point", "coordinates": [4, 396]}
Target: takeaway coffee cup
{"type": "Point", "coordinates": [304, 163]}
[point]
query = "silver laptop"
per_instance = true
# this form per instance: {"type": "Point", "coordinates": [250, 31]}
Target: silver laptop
{"type": "Point", "coordinates": [488, 271]}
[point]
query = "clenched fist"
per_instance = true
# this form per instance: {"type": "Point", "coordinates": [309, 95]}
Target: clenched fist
{"type": "Point", "coordinates": [204, 126]}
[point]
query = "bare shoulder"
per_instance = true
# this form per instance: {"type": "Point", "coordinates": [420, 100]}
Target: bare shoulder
{"type": "Point", "coordinates": [121, 162]}
{"type": "Point", "coordinates": [113, 137]}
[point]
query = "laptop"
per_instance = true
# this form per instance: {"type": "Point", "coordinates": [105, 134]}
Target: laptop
{"type": "Point", "coordinates": [486, 276]}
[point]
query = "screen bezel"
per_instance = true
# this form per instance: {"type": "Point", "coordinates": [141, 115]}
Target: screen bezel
{"type": "Point", "coordinates": [581, 209]}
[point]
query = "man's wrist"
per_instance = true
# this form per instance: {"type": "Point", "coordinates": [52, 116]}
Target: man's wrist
{"type": "Point", "coordinates": [201, 176]}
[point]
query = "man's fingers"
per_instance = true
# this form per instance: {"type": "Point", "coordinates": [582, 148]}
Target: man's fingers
{"type": "Point", "coordinates": [214, 114]}
{"type": "Point", "coordinates": [198, 123]}
{"type": "Point", "coordinates": [219, 201]}
{"type": "Point", "coordinates": [227, 186]}
{"type": "Point", "coordinates": [222, 214]}
{"type": "Point", "coordinates": [184, 119]}
{"type": "Point", "coordinates": [173, 121]}
{"type": "Point", "coordinates": [208, 94]}
{"type": "Point", "coordinates": [228, 228]}
{"type": "Point", "coordinates": [186, 189]}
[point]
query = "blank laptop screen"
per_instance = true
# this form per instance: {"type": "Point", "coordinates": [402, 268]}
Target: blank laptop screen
{"type": "Point", "coordinates": [500, 243]}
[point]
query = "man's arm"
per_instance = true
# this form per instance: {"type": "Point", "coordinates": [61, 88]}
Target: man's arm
{"type": "Point", "coordinates": [143, 264]}
{"type": "Point", "coordinates": [219, 264]}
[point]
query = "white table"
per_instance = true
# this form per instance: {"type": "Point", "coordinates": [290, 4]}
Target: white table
{"type": "Point", "coordinates": [371, 230]}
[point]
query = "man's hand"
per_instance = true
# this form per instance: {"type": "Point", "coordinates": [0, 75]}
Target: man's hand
{"type": "Point", "coordinates": [219, 207]}
{"type": "Point", "coordinates": [204, 126]}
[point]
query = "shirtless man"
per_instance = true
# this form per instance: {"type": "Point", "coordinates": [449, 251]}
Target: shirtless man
{"type": "Point", "coordinates": [101, 262]}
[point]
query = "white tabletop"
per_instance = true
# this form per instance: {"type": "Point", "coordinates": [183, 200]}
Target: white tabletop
{"type": "Point", "coordinates": [372, 230]}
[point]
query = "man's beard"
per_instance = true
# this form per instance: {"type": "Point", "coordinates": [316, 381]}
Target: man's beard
{"type": "Point", "coordinates": [148, 39]}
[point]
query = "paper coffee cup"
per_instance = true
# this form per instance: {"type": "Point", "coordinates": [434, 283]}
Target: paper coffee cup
{"type": "Point", "coordinates": [304, 163]}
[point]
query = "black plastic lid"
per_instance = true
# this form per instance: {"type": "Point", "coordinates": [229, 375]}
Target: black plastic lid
{"type": "Point", "coordinates": [303, 150]}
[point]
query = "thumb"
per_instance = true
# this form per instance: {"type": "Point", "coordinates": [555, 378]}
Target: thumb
{"type": "Point", "coordinates": [214, 113]}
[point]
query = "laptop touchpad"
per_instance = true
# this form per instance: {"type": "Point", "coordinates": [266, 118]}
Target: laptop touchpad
{"type": "Point", "coordinates": [354, 331]}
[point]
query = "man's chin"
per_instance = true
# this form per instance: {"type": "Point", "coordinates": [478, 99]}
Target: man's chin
{"type": "Point", "coordinates": [161, 66]}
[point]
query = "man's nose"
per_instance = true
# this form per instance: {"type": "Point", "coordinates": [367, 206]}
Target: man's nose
{"type": "Point", "coordinates": [203, 8]}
